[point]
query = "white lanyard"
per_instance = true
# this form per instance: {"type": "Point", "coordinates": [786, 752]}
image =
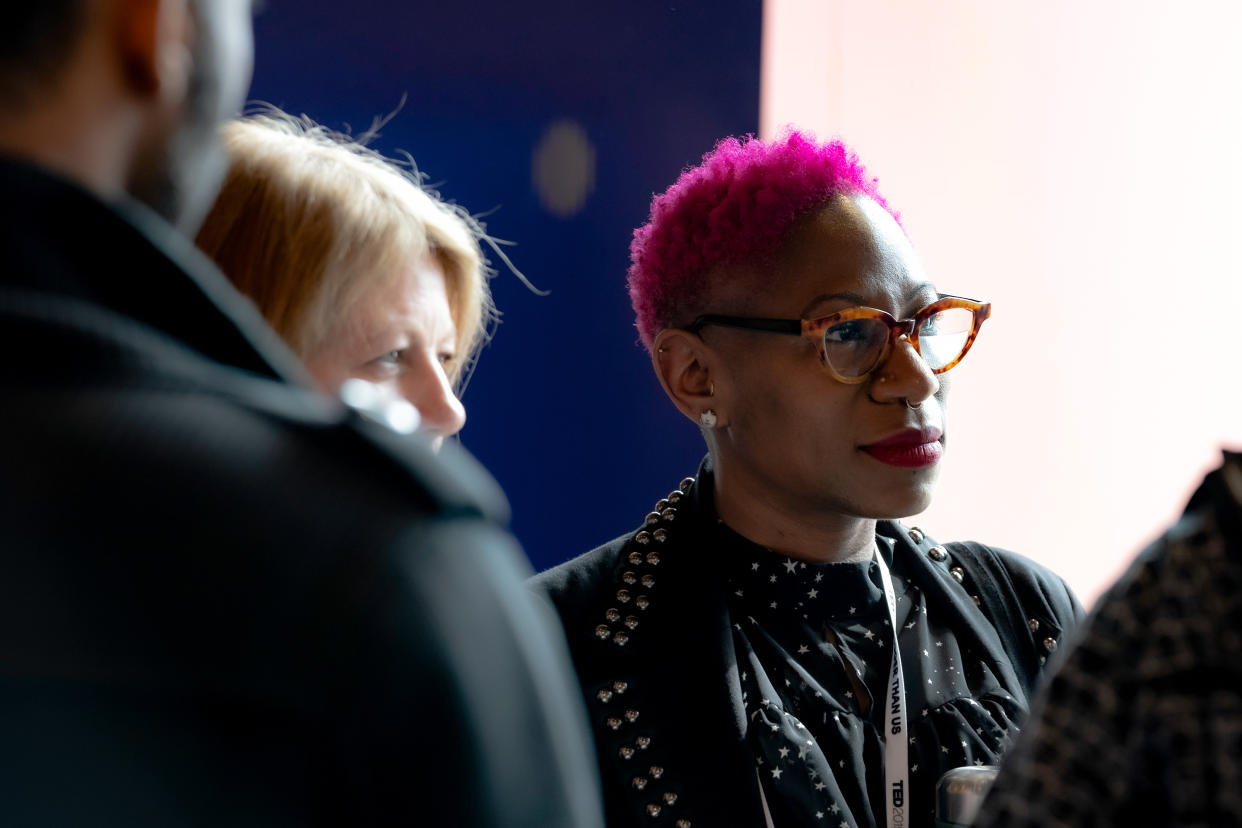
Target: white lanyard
{"type": "Point", "coordinates": [896, 743]}
{"type": "Point", "coordinates": [896, 750]}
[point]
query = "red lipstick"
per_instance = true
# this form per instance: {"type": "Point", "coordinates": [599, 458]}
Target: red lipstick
{"type": "Point", "coordinates": [909, 449]}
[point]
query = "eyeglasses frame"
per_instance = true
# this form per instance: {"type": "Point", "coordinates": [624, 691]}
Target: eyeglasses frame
{"type": "Point", "coordinates": [898, 329]}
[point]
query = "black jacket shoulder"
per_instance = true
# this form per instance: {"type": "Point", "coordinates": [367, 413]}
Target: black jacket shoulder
{"type": "Point", "coordinates": [224, 599]}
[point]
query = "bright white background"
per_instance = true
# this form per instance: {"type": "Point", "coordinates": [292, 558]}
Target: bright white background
{"type": "Point", "coordinates": [1076, 163]}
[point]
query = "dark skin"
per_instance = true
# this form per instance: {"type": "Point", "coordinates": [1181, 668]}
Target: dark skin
{"type": "Point", "coordinates": [787, 444]}
{"type": "Point", "coordinates": [133, 110]}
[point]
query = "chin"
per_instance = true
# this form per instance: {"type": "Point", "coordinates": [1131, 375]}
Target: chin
{"type": "Point", "coordinates": [897, 505]}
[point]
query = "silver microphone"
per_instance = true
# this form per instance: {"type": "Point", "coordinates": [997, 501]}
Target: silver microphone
{"type": "Point", "coordinates": [960, 792]}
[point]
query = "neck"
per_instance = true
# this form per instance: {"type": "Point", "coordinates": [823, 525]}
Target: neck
{"type": "Point", "coordinates": [79, 128]}
{"type": "Point", "coordinates": [819, 536]}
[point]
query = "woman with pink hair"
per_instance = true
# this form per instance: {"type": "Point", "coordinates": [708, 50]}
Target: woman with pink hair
{"type": "Point", "coordinates": [771, 646]}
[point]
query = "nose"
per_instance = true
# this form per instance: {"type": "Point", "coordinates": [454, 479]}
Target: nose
{"type": "Point", "coordinates": [428, 389]}
{"type": "Point", "coordinates": [903, 376]}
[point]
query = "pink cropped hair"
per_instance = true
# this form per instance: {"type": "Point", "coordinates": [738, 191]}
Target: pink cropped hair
{"type": "Point", "coordinates": [738, 205]}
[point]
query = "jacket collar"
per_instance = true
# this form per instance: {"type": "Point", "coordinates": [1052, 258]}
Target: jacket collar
{"type": "Point", "coordinates": [688, 638]}
{"type": "Point", "coordinates": [64, 243]}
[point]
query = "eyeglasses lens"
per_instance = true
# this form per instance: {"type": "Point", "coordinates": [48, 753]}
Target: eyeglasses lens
{"type": "Point", "coordinates": [942, 336]}
{"type": "Point", "coordinates": [853, 347]}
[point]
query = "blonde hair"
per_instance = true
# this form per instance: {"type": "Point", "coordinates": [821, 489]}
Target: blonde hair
{"type": "Point", "coordinates": [309, 219]}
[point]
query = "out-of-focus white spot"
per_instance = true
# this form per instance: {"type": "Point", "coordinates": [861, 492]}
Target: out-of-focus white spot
{"type": "Point", "coordinates": [380, 405]}
{"type": "Point", "coordinates": [359, 394]}
{"type": "Point", "coordinates": [563, 168]}
{"type": "Point", "coordinates": [401, 417]}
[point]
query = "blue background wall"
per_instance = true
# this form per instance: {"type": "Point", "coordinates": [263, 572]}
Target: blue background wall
{"type": "Point", "coordinates": [563, 407]}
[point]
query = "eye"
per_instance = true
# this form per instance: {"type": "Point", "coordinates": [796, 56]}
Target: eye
{"type": "Point", "coordinates": [389, 358]}
{"type": "Point", "coordinates": [856, 330]}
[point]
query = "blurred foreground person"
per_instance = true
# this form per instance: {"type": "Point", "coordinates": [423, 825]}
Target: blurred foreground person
{"type": "Point", "coordinates": [771, 646]}
{"type": "Point", "coordinates": [224, 600]}
{"type": "Point", "coordinates": [364, 272]}
{"type": "Point", "coordinates": [1142, 722]}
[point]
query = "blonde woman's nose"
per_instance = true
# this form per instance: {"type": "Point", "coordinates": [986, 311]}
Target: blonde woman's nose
{"type": "Point", "coordinates": [428, 389]}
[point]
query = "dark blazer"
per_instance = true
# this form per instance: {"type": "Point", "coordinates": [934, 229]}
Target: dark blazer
{"type": "Point", "coordinates": [649, 631]}
{"type": "Point", "coordinates": [225, 600]}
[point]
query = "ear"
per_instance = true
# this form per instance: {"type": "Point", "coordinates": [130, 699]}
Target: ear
{"type": "Point", "coordinates": [155, 38]}
{"type": "Point", "coordinates": [690, 373]}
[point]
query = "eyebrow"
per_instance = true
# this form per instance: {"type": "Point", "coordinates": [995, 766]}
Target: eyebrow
{"type": "Point", "coordinates": [859, 299]}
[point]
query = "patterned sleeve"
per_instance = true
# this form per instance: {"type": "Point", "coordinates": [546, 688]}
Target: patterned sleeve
{"type": "Point", "coordinates": [1071, 762]}
{"type": "Point", "coordinates": [1142, 724]}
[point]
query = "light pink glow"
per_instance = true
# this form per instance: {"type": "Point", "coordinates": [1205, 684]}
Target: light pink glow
{"type": "Point", "coordinates": [1078, 165]}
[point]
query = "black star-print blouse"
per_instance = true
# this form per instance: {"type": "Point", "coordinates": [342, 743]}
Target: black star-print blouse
{"type": "Point", "coordinates": [813, 645]}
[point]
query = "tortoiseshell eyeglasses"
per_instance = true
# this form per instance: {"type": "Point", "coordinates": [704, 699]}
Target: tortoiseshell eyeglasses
{"type": "Point", "coordinates": [854, 342]}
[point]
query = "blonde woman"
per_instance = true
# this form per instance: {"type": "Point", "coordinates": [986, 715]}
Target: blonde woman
{"type": "Point", "coordinates": [363, 271]}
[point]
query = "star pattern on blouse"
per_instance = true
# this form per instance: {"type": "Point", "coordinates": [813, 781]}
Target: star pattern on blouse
{"type": "Point", "coordinates": [837, 630]}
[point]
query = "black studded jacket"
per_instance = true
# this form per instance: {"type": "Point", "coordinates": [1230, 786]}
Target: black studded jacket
{"type": "Point", "coordinates": [657, 635]}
